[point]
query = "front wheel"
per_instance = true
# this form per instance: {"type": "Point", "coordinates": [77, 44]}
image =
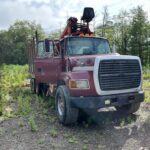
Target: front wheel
{"type": "Point", "coordinates": [129, 108]}
{"type": "Point", "coordinates": [66, 114]}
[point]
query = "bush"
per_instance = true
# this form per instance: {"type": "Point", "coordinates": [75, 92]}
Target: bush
{"type": "Point", "coordinates": [146, 72]}
{"type": "Point", "coordinates": [12, 77]}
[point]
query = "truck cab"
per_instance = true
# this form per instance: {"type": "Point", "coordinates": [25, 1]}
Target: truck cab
{"type": "Point", "coordinates": [81, 72]}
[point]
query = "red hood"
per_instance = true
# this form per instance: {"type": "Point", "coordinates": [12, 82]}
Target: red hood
{"type": "Point", "coordinates": [84, 60]}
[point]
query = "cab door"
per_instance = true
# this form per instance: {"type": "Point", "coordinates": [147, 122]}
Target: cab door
{"type": "Point", "coordinates": [44, 62]}
{"type": "Point", "coordinates": [57, 62]}
{"type": "Point", "coordinates": [48, 62]}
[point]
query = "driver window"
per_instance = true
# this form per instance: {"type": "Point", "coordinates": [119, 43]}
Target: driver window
{"type": "Point", "coordinates": [40, 48]}
{"type": "Point", "coordinates": [48, 48]}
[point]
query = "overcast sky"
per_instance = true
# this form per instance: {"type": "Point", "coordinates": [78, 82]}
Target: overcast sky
{"type": "Point", "coordinates": [52, 14]}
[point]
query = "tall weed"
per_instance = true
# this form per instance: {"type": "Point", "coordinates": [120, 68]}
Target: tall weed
{"type": "Point", "coordinates": [146, 72]}
{"type": "Point", "coordinates": [12, 77]}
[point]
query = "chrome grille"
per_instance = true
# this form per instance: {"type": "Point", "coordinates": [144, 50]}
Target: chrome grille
{"type": "Point", "coordinates": [119, 74]}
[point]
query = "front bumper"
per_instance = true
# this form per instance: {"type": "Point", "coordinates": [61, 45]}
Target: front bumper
{"type": "Point", "coordinates": [107, 100]}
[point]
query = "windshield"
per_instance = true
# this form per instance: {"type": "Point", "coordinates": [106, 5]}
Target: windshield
{"type": "Point", "coordinates": [87, 46]}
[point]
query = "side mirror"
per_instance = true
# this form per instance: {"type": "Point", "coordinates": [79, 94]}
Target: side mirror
{"type": "Point", "coordinates": [47, 46]}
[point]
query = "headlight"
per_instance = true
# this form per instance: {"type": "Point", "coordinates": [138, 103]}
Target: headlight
{"type": "Point", "coordinates": [79, 84]}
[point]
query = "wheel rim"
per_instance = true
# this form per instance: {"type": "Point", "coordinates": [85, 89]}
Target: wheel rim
{"type": "Point", "coordinates": [60, 105]}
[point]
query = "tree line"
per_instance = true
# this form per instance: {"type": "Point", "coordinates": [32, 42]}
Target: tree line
{"type": "Point", "coordinates": [128, 32]}
{"type": "Point", "coordinates": [14, 41]}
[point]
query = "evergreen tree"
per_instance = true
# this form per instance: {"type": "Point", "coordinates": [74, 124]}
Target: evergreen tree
{"type": "Point", "coordinates": [138, 33]}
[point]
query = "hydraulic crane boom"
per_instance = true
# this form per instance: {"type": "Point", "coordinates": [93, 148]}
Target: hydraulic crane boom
{"type": "Point", "coordinates": [75, 28]}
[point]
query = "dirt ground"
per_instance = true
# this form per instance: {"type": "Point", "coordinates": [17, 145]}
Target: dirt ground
{"type": "Point", "coordinates": [107, 130]}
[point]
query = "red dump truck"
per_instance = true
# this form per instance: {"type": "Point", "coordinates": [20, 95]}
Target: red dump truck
{"type": "Point", "coordinates": [81, 72]}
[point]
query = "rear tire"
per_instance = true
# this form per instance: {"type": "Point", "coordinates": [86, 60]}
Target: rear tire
{"type": "Point", "coordinates": [66, 114]}
{"type": "Point", "coordinates": [38, 88]}
{"type": "Point", "coordinates": [129, 108]}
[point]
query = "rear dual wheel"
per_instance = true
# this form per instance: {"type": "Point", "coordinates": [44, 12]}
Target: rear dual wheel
{"type": "Point", "coordinates": [35, 86]}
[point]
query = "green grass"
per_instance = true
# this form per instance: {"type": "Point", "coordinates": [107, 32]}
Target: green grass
{"type": "Point", "coordinates": [33, 124]}
{"type": "Point", "coordinates": [17, 100]}
{"type": "Point", "coordinates": [146, 83]}
{"type": "Point", "coordinates": [72, 140]}
{"type": "Point", "coordinates": [146, 87]}
{"type": "Point", "coordinates": [12, 79]}
{"type": "Point", "coordinates": [85, 147]}
{"type": "Point", "coordinates": [53, 132]}
{"type": "Point", "coordinates": [146, 73]}
{"type": "Point", "coordinates": [41, 141]}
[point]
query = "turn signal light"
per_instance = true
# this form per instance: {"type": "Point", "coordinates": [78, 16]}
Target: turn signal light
{"type": "Point", "coordinates": [72, 84]}
{"type": "Point", "coordinates": [79, 84]}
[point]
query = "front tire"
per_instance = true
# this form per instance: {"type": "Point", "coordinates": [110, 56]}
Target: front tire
{"type": "Point", "coordinates": [129, 108]}
{"type": "Point", "coordinates": [66, 114]}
